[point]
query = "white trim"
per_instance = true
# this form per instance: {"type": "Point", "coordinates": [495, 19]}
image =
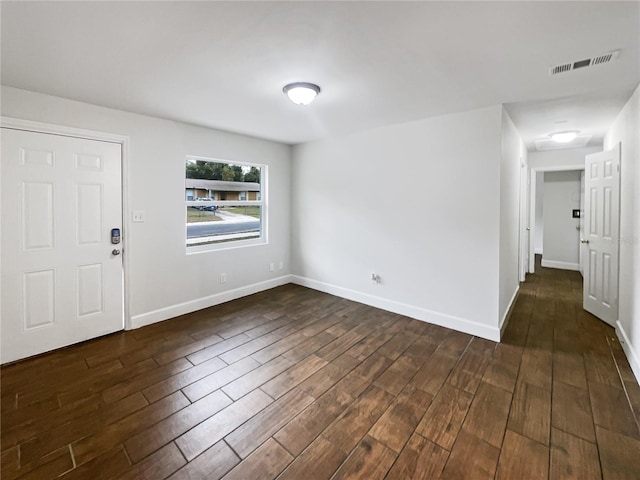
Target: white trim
{"type": "Point", "coordinates": [538, 251]}
{"type": "Point", "coordinates": [533, 180]}
{"type": "Point", "coordinates": [419, 313]}
{"type": "Point", "coordinates": [195, 248]}
{"type": "Point", "coordinates": [31, 126]}
{"type": "Point", "coordinates": [524, 222]}
{"type": "Point", "coordinates": [224, 203]}
{"type": "Point", "coordinates": [560, 168]}
{"type": "Point", "coordinates": [507, 315]}
{"type": "Point", "coordinates": [205, 302]}
{"type": "Point", "coordinates": [630, 352]}
{"type": "Point", "coordinates": [533, 171]}
{"type": "Point", "coordinates": [561, 265]}
{"type": "Point", "coordinates": [40, 127]}
{"type": "Point", "coordinates": [127, 223]}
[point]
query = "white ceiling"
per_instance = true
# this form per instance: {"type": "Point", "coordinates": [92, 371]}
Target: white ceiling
{"type": "Point", "coordinates": [223, 64]}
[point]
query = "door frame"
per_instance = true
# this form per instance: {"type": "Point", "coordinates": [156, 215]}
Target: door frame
{"type": "Point", "coordinates": [52, 129]}
{"type": "Point", "coordinates": [524, 228]}
{"type": "Point", "coordinates": [532, 204]}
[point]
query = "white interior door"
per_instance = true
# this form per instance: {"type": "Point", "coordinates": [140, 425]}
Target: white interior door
{"type": "Point", "coordinates": [523, 258]}
{"type": "Point", "coordinates": [62, 279]}
{"type": "Point", "coordinates": [600, 234]}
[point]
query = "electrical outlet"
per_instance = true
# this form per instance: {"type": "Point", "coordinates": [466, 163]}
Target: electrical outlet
{"type": "Point", "coordinates": [223, 278]}
{"type": "Point", "coordinates": [272, 267]}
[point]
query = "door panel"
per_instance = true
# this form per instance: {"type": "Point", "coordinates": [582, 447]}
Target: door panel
{"type": "Point", "coordinates": [38, 301]}
{"type": "Point", "coordinates": [600, 242]}
{"type": "Point", "coordinates": [90, 289]}
{"type": "Point", "coordinates": [37, 219]}
{"type": "Point", "coordinates": [61, 197]}
{"type": "Point", "coordinates": [89, 203]}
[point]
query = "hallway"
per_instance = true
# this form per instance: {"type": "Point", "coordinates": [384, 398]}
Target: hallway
{"type": "Point", "coordinates": [573, 371]}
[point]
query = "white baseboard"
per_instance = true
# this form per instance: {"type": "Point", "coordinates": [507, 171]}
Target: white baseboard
{"type": "Point", "coordinates": [629, 350]}
{"type": "Point", "coordinates": [419, 313]}
{"type": "Point", "coordinates": [505, 319]}
{"type": "Point", "coordinates": [172, 311]}
{"type": "Point", "coordinates": [561, 265]}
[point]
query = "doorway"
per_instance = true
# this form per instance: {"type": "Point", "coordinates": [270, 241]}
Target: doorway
{"type": "Point", "coordinates": [62, 270]}
{"type": "Point", "coordinates": [597, 223]}
{"type": "Point", "coordinates": [556, 201]}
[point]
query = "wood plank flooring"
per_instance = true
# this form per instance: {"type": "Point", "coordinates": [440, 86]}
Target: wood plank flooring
{"type": "Point", "coordinates": [294, 384]}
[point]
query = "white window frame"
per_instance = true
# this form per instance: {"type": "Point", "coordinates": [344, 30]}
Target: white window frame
{"type": "Point", "coordinates": [262, 203]}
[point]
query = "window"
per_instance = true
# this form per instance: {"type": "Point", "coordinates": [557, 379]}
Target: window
{"type": "Point", "coordinates": [224, 203]}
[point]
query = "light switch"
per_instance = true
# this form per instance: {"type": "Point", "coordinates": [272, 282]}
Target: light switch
{"type": "Point", "coordinates": [137, 216]}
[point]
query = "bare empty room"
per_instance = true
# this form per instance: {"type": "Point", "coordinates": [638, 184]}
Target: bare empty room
{"type": "Point", "coordinates": [325, 240]}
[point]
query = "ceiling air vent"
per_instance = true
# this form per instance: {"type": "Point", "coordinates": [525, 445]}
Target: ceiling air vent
{"type": "Point", "coordinates": [605, 58]}
{"type": "Point", "coordinates": [561, 68]}
{"type": "Point", "coordinates": [587, 62]}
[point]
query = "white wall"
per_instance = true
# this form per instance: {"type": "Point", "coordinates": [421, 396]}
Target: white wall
{"type": "Point", "coordinates": [417, 204]}
{"type": "Point", "coordinates": [163, 280]}
{"type": "Point", "coordinates": [539, 224]}
{"type": "Point", "coordinates": [561, 239]}
{"type": "Point", "coordinates": [626, 129]}
{"type": "Point", "coordinates": [512, 159]}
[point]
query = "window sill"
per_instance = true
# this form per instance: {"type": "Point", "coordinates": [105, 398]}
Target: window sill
{"type": "Point", "coordinates": [215, 247]}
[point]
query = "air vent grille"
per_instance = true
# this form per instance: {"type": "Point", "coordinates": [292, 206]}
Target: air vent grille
{"type": "Point", "coordinates": [587, 62]}
{"type": "Point", "coordinates": [606, 58]}
{"type": "Point", "coordinates": [561, 68]}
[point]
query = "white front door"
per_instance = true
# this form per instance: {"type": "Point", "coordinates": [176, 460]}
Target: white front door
{"type": "Point", "coordinates": [62, 279]}
{"type": "Point", "coordinates": [600, 234]}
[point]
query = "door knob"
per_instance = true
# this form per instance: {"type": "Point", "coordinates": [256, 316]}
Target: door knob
{"type": "Point", "coordinates": [582, 240]}
{"type": "Point", "coordinates": [115, 251]}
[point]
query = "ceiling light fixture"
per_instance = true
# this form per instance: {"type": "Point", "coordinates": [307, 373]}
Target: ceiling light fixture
{"type": "Point", "coordinates": [301, 93]}
{"type": "Point", "coordinates": [564, 137]}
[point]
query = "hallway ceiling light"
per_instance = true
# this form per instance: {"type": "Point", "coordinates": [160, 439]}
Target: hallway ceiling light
{"type": "Point", "coordinates": [301, 93]}
{"type": "Point", "coordinates": [564, 137]}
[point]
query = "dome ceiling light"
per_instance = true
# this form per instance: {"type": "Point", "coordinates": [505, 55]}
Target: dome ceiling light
{"type": "Point", "coordinates": [301, 93]}
{"type": "Point", "coordinates": [564, 137]}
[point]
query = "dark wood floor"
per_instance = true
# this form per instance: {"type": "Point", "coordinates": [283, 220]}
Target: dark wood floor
{"type": "Point", "coordinates": [296, 384]}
